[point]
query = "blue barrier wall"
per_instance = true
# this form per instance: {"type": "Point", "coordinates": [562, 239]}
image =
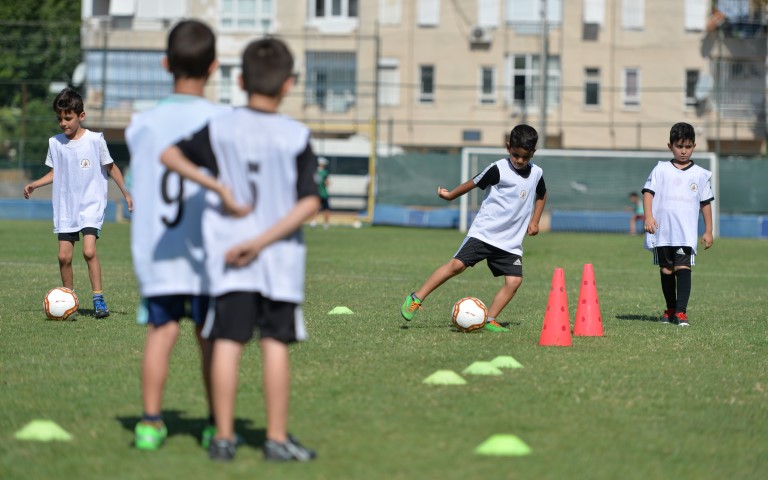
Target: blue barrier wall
{"type": "Point", "coordinates": [20, 209]}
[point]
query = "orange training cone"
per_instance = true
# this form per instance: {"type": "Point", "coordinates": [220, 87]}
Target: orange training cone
{"type": "Point", "coordinates": [557, 323]}
{"type": "Point", "coordinates": [588, 321]}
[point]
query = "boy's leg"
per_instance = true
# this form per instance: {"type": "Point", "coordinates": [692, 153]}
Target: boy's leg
{"type": "Point", "coordinates": [440, 276]}
{"type": "Point", "coordinates": [224, 370]}
{"type": "Point", "coordinates": [206, 353]}
{"type": "Point", "coordinates": [154, 365]}
{"type": "Point", "coordinates": [94, 266]}
{"type": "Point", "coordinates": [683, 277]}
{"type": "Point", "coordinates": [668, 288]}
{"type": "Point", "coordinates": [504, 295]}
{"type": "Point", "coordinates": [277, 387]}
{"type": "Point", "coordinates": [66, 249]}
{"type": "Point", "coordinates": [500, 300]}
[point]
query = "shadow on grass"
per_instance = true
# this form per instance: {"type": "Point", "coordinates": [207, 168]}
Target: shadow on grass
{"type": "Point", "coordinates": [178, 424]}
{"type": "Point", "coordinates": [638, 318]}
{"type": "Point", "coordinates": [453, 329]}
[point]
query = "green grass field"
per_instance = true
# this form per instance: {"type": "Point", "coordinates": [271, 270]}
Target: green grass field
{"type": "Point", "coordinates": [648, 400]}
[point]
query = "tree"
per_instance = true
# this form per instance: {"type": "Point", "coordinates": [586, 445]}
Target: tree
{"type": "Point", "coordinates": [39, 43]}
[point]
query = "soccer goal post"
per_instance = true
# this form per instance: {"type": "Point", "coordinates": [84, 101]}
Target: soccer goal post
{"type": "Point", "coordinates": [583, 180]}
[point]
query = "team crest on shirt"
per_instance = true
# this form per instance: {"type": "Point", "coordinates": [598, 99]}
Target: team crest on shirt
{"type": "Point", "coordinates": [694, 187]}
{"type": "Point", "coordinates": [85, 163]}
{"type": "Point", "coordinates": [523, 194]}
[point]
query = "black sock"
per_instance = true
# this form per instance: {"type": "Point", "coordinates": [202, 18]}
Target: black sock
{"type": "Point", "coordinates": [668, 288]}
{"type": "Point", "coordinates": [152, 418]}
{"type": "Point", "coordinates": [211, 420]}
{"type": "Point", "coordinates": [683, 289]}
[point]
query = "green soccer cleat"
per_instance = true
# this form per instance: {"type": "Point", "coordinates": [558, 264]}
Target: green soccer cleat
{"type": "Point", "coordinates": [150, 435]}
{"type": "Point", "coordinates": [493, 326]}
{"type": "Point", "coordinates": [410, 305]}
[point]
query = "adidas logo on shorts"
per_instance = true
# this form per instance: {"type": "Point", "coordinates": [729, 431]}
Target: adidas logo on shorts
{"type": "Point", "coordinates": [680, 251]}
{"type": "Point", "coordinates": [517, 262]}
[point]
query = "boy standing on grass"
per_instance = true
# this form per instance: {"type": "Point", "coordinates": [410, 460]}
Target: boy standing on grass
{"type": "Point", "coordinates": [80, 164]}
{"type": "Point", "coordinates": [673, 195]}
{"type": "Point", "coordinates": [166, 236]}
{"type": "Point", "coordinates": [515, 195]}
{"type": "Point", "coordinates": [256, 262]}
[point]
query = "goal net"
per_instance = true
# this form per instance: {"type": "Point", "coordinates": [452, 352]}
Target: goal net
{"type": "Point", "coordinates": [595, 182]}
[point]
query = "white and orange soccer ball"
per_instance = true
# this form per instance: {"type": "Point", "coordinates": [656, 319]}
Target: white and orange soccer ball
{"type": "Point", "coordinates": [60, 303]}
{"type": "Point", "coordinates": [469, 314]}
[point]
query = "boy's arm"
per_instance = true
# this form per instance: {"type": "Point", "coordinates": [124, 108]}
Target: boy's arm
{"type": "Point", "coordinates": [114, 171]}
{"type": "Point", "coordinates": [244, 253]}
{"type": "Point", "coordinates": [538, 210]}
{"type": "Point", "coordinates": [456, 192]}
{"type": "Point", "coordinates": [175, 160]}
{"type": "Point", "coordinates": [707, 239]}
{"type": "Point", "coordinates": [649, 224]}
{"type": "Point", "coordinates": [46, 179]}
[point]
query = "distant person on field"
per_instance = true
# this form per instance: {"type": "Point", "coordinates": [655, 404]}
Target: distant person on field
{"type": "Point", "coordinates": [80, 166]}
{"type": "Point", "coordinates": [321, 179]}
{"type": "Point", "coordinates": [636, 207]}
{"type": "Point", "coordinates": [166, 234]}
{"type": "Point", "coordinates": [673, 195]}
{"type": "Point", "coordinates": [515, 195]}
{"type": "Point", "coordinates": [262, 159]}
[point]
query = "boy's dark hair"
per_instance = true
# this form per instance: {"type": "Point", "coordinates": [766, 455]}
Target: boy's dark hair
{"type": "Point", "coordinates": [682, 131]}
{"type": "Point", "coordinates": [68, 100]}
{"type": "Point", "coordinates": [523, 136]}
{"type": "Point", "coordinates": [191, 49]}
{"type": "Point", "coordinates": [634, 194]}
{"type": "Point", "coordinates": [267, 64]}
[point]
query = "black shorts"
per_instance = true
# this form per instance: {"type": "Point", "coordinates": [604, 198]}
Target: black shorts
{"type": "Point", "coordinates": [75, 236]}
{"type": "Point", "coordinates": [500, 262]}
{"type": "Point", "coordinates": [234, 316]}
{"type": "Point", "coordinates": [324, 205]}
{"type": "Point", "coordinates": [673, 256]}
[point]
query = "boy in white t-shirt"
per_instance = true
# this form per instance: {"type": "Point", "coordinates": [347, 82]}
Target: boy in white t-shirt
{"type": "Point", "coordinates": [166, 235]}
{"type": "Point", "coordinates": [80, 163]}
{"type": "Point", "coordinates": [515, 195]}
{"type": "Point", "coordinates": [673, 195]}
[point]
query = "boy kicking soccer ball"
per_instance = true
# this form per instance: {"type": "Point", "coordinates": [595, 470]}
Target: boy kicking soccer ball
{"type": "Point", "coordinates": [515, 195]}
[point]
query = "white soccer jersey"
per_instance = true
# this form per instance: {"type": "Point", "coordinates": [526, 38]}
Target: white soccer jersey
{"type": "Point", "coordinates": [79, 181]}
{"type": "Point", "coordinates": [677, 199]}
{"type": "Point", "coordinates": [266, 161]}
{"type": "Point", "coordinates": [166, 234]}
{"type": "Point", "coordinates": [507, 206]}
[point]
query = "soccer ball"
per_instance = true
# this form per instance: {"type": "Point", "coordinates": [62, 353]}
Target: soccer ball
{"type": "Point", "coordinates": [469, 314]}
{"type": "Point", "coordinates": [60, 303]}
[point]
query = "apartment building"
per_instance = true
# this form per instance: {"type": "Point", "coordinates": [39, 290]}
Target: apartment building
{"type": "Point", "coordinates": [443, 74]}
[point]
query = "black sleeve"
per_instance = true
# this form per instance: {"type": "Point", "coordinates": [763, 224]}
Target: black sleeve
{"type": "Point", "coordinates": [491, 177]}
{"type": "Point", "coordinates": [306, 166]}
{"type": "Point", "coordinates": [197, 148]}
{"type": "Point", "coordinates": [541, 188]}
{"type": "Point", "coordinates": [649, 191]}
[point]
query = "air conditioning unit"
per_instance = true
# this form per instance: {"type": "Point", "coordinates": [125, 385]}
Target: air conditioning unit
{"type": "Point", "coordinates": [479, 35]}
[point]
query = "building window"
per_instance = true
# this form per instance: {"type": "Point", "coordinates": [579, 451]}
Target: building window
{"type": "Point", "coordinates": [390, 12]}
{"type": "Point", "coordinates": [389, 82]}
{"type": "Point", "coordinates": [594, 12]}
{"type": "Point", "coordinates": [592, 87]}
{"type": "Point", "coordinates": [258, 15]}
{"type": "Point", "coordinates": [525, 86]}
{"type": "Point", "coordinates": [528, 12]}
{"type": "Point", "coordinates": [488, 13]}
{"type": "Point", "coordinates": [428, 13]}
{"type": "Point", "coordinates": [487, 85]}
{"type": "Point", "coordinates": [691, 80]}
{"type": "Point", "coordinates": [630, 87]}
{"type": "Point", "coordinates": [696, 12]}
{"type": "Point", "coordinates": [632, 14]}
{"type": "Point", "coordinates": [427, 84]}
{"type": "Point", "coordinates": [331, 80]}
{"type": "Point", "coordinates": [131, 76]}
{"type": "Point", "coordinates": [333, 9]}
